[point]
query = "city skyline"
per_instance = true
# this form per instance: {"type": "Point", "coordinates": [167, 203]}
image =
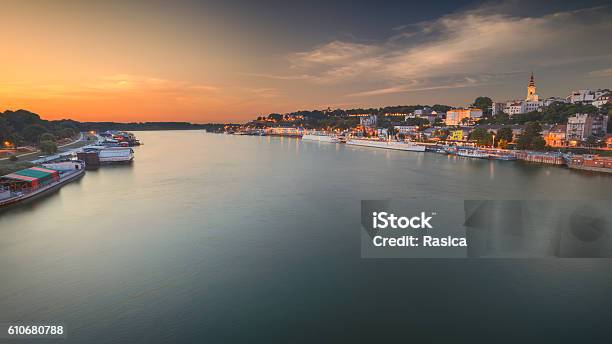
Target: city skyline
{"type": "Point", "coordinates": [217, 62]}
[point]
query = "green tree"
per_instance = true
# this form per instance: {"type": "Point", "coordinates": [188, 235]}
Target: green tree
{"type": "Point", "coordinates": [31, 133]}
{"type": "Point", "coordinates": [483, 103]}
{"type": "Point", "coordinates": [531, 138]}
{"type": "Point", "coordinates": [439, 122]}
{"type": "Point", "coordinates": [5, 131]}
{"type": "Point", "coordinates": [441, 109]}
{"type": "Point", "coordinates": [47, 137]}
{"type": "Point", "coordinates": [442, 134]}
{"type": "Point", "coordinates": [591, 141]}
{"type": "Point", "coordinates": [417, 121]}
{"type": "Point", "coordinates": [275, 116]}
{"type": "Point", "coordinates": [505, 134]}
{"type": "Point", "coordinates": [48, 147]}
{"type": "Point", "coordinates": [538, 143]}
{"type": "Point", "coordinates": [481, 136]}
{"type": "Point", "coordinates": [65, 132]}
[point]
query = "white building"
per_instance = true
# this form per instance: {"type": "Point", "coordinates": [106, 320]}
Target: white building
{"type": "Point", "coordinates": [369, 121]}
{"type": "Point", "coordinates": [550, 100]}
{"type": "Point", "coordinates": [585, 96]}
{"type": "Point", "coordinates": [497, 107]}
{"type": "Point", "coordinates": [603, 100]}
{"type": "Point", "coordinates": [425, 113]}
{"type": "Point", "coordinates": [582, 125]}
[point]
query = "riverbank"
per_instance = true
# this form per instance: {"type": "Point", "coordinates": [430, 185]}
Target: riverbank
{"type": "Point", "coordinates": [26, 160]}
{"type": "Point", "coordinates": [584, 162]}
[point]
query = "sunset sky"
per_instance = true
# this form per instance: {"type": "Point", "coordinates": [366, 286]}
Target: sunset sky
{"type": "Point", "coordinates": [222, 61]}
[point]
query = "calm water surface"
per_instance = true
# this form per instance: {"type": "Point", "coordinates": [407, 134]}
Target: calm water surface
{"type": "Point", "coordinates": [219, 238]}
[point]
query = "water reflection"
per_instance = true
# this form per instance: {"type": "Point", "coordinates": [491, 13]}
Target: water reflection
{"type": "Point", "coordinates": [202, 225]}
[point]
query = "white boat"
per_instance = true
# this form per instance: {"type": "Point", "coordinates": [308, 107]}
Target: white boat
{"type": "Point", "coordinates": [321, 138]}
{"type": "Point", "coordinates": [116, 155]}
{"type": "Point", "coordinates": [472, 153]}
{"type": "Point", "coordinates": [404, 146]}
{"type": "Point", "coordinates": [109, 155]}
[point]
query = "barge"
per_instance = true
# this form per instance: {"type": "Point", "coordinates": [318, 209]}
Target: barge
{"type": "Point", "coordinates": [28, 184]}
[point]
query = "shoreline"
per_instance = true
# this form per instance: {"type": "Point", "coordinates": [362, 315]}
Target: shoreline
{"type": "Point", "coordinates": [532, 157]}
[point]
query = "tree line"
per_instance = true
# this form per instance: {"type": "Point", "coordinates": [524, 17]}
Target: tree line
{"type": "Point", "coordinates": [23, 127]}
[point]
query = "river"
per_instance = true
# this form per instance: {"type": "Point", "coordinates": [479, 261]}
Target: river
{"type": "Point", "coordinates": [220, 238]}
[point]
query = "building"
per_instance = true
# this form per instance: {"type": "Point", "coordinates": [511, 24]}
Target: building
{"type": "Point", "coordinates": [395, 114]}
{"type": "Point", "coordinates": [603, 100]}
{"type": "Point", "coordinates": [608, 141]}
{"type": "Point", "coordinates": [532, 96]}
{"type": "Point", "coordinates": [556, 136]}
{"type": "Point", "coordinates": [585, 96]}
{"type": "Point", "coordinates": [582, 125]}
{"type": "Point", "coordinates": [425, 113]}
{"type": "Point", "coordinates": [550, 100]}
{"type": "Point", "coordinates": [285, 131]}
{"type": "Point", "coordinates": [514, 107]}
{"type": "Point", "coordinates": [369, 121]}
{"type": "Point", "coordinates": [456, 116]}
{"type": "Point", "coordinates": [497, 107]}
{"type": "Point", "coordinates": [458, 135]}
{"type": "Point", "coordinates": [431, 116]}
{"type": "Point", "coordinates": [406, 129]}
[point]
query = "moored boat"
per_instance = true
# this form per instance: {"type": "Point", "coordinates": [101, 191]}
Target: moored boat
{"type": "Point", "coordinates": [472, 153]}
{"type": "Point", "coordinates": [504, 157]}
{"type": "Point", "coordinates": [404, 146]}
{"type": "Point", "coordinates": [590, 162]}
{"type": "Point", "coordinates": [109, 155]}
{"type": "Point", "coordinates": [321, 138]}
{"type": "Point", "coordinates": [28, 184]}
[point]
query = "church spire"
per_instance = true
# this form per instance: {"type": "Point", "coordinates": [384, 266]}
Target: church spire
{"type": "Point", "coordinates": [531, 90]}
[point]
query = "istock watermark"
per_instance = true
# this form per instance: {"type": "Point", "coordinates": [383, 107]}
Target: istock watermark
{"type": "Point", "coordinates": [486, 229]}
{"type": "Point", "coordinates": [384, 220]}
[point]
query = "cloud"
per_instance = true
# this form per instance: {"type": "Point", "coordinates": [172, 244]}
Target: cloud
{"type": "Point", "coordinates": [602, 73]}
{"type": "Point", "coordinates": [334, 52]}
{"type": "Point", "coordinates": [475, 47]}
{"type": "Point", "coordinates": [110, 86]}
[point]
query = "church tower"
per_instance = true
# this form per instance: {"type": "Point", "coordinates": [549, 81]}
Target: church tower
{"type": "Point", "coordinates": [531, 91]}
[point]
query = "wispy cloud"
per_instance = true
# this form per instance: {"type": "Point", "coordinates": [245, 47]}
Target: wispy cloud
{"type": "Point", "coordinates": [601, 73]}
{"type": "Point", "coordinates": [475, 47]}
{"type": "Point", "coordinates": [110, 86]}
